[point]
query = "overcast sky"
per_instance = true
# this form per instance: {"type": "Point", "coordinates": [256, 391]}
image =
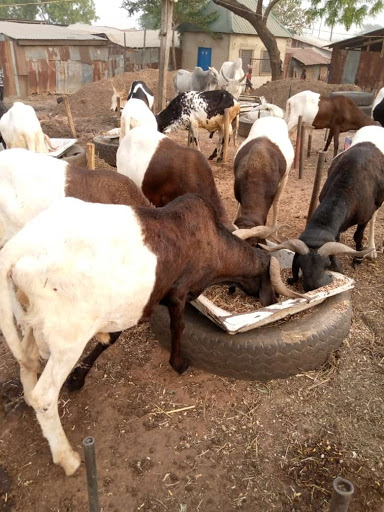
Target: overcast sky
{"type": "Point", "coordinates": [112, 15]}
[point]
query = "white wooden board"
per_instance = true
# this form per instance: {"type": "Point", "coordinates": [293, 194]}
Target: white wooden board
{"type": "Point", "coordinates": [234, 323]}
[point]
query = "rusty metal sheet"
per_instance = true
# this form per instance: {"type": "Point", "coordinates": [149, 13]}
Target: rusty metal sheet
{"type": "Point", "coordinates": [337, 65]}
{"type": "Point", "coordinates": [53, 53]}
{"type": "Point", "coordinates": [64, 53]}
{"type": "Point", "coordinates": [6, 63]}
{"type": "Point", "coordinates": [371, 70]}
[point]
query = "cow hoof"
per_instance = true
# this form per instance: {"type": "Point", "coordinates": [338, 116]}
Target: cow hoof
{"type": "Point", "coordinates": [179, 366]}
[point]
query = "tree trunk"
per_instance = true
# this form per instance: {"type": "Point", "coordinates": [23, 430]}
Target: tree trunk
{"type": "Point", "coordinates": [173, 50]}
{"type": "Point", "coordinates": [259, 23]}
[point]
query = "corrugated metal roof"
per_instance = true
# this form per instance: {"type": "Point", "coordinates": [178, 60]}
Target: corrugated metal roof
{"type": "Point", "coordinates": [43, 32]}
{"type": "Point", "coordinates": [133, 38]}
{"type": "Point", "coordinates": [356, 41]}
{"type": "Point", "coordinates": [314, 41]}
{"type": "Point", "coordinates": [308, 56]}
{"type": "Point", "coordinates": [229, 23]}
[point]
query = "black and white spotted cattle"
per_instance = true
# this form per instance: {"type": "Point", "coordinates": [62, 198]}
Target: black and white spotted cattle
{"type": "Point", "coordinates": [199, 110]}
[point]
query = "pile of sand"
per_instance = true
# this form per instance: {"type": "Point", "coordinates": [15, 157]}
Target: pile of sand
{"type": "Point", "coordinates": [279, 91]}
{"type": "Point", "coordinates": [94, 99]}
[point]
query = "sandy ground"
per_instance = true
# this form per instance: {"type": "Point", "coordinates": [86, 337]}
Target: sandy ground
{"type": "Point", "coordinates": [240, 445]}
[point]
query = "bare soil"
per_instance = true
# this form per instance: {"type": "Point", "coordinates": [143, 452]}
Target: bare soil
{"type": "Point", "coordinates": [199, 442]}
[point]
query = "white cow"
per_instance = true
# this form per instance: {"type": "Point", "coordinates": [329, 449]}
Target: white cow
{"type": "Point", "coordinates": [232, 77]}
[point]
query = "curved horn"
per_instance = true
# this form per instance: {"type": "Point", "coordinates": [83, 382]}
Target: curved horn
{"type": "Point", "coordinates": [225, 78]}
{"type": "Point", "coordinates": [242, 78]}
{"type": "Point", "coordinates": [333, 248]}
{"type": "Point", "coordinates": [277, 282]}
{"type": "Point", "coordinates": [294, 244]}
{"type": "Point", "coordinates": [259, 231]}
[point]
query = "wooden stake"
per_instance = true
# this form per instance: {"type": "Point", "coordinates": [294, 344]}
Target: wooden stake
{"type": "Point", "coordinates": [298, 141]}
{"type": "Point", "coordinates": [165, 44]}
{"type": "Point", "coordinates": [316, 184]}
{"type": "Point", "coordinates": [302, 142]}
{"type": "Point", "coordinates": [91, 156]}
{"type": "Point", "coordinates": [226, 134]}
{"type": "Point", "coordinates": [118, 103]}
{"type": "Point", "coordinates": [70, 118]}
{"type": "Point", "coordinates": [309, 145]}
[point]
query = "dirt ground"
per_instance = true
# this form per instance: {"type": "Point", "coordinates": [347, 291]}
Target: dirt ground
{"type": "Point", "coordinates": [199, 442]}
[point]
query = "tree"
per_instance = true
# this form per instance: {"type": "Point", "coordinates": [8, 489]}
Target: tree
{"type": "Point", "coordinates": [346, 12]}
{"type": "Point", "coordinates": [258, 19]}
{"type": "Point", "coordinates": [64, 12]}
{"type": "Point", "coordinates": [184, 11]}
{"type": "Point", "coordinates": [291, 15]}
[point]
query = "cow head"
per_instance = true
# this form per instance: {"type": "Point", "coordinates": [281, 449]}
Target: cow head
{"type": "Point", "coordinates": [235, 86]}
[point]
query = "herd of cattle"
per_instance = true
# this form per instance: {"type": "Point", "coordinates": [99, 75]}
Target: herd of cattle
{"type": "Point", "coordinates": [92, 253]}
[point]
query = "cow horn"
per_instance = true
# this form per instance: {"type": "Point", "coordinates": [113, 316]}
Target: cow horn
{"type": "Point", "coordinates": [259, 231]}
{"type": "Point", "coordinates": [277, 282]}
{"type": "Point", "coordinates": [333, 248]}
{"type": "Point", "coordinates": [242, 78]}
{"type": "Point", "coordinates": [294, 244]}
{"type": "Point", "coordinates": [225, 78]}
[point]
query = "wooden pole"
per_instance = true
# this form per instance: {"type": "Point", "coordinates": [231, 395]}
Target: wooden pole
{"type": "Point", "coordinates": [70, 118]}
{"type": "Point", "coordinates": [226, 135]}
{"type": "Point", "coordinates": [91, 156]}
{"type": "Point", "coordinates": [118, 105]}
{"type": "Point", "coordinates": [316, 184]}
{"type": "Point", "coordinates": [165, 43]}
{"type": "Point", "coordinates": [298, 141]}
{"type": "Point", "coordinates": [309, 144]}
{"type": "Point", "coordinates": [301, 158]}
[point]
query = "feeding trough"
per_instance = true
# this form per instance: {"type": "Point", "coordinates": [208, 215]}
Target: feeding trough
{"type": "Point", "coordinates": [106, 146]}
{"type": "Point", "coordinates": [269, 342]}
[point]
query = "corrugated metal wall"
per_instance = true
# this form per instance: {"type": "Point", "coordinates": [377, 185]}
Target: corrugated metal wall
{"type": "Point", "coordinates": [56, 68]}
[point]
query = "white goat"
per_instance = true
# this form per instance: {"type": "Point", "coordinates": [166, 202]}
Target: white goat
{"type": "Point", "coordinates": [137, 109]}
{"type": "Point", "coordinates": [20, 128]}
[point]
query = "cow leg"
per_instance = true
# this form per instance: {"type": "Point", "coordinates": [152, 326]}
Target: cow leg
{"type": "Point", "coordinates": [336, 134]}
{"type": "Point", "coordinates": [371, 237]}
{"type": "Point", "coordinates": [329, 139]}
{"type": "Point", "coordinates": [276, 200]}
{"type": "Point", "coordinates": [358, 238]}
{"type": "Point", "coordinates": [44, 399]}
{"type": "Point", "coordinates": [29, 365]}
{"type": "Point", "coordinates": [176, 305]}
{"type": "Point", "coordinates": [76, 379]}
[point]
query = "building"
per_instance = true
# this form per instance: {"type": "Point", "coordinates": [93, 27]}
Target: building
{"type": "Point", "coordinates": [141, 47]}
{"type": "Point", "coordinates": [37, 58]}
{"type": "Point", "coordinates": [308, 61]}
{"type": "Point", "coordinates": [359, 60]}
{"type": "Point", "coordinates": [232, 37]}
{"type": "Point", "coordinates": [320, 45]}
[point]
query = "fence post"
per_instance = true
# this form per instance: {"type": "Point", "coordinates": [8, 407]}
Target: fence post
{"type": "Point", "coordinates": [226, 134]}
{"type": "Point", "coordinates": [70, 118]}
{"type": "Point", "coordinates": [91, 469]}
{"type": "Point", "coordinates": [309, 144]}
{"type": "Point", "coordinates": [91, 156]}
{"type": "Point", "coordinates": [298, 141]}
{"type": "Point", "coordinates": [301, 156]}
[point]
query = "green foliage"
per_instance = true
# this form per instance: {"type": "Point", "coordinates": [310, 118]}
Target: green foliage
{"type": "Point", "coordinates": [184, 11]}
{"type": "Point", "coordinates": [291, 15]}
{"type": "Point", "coordinates": [346, 12]}
{"type": "Point", "coordinates": [64, 12]}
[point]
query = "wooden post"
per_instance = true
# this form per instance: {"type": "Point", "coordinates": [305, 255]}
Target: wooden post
{"type": "Point", "coordinates": [309, 144]}
{"type": "Point", "coordinates": [118, 105]}
{"type": "Point", "coordinates": [226, 134]}
{"type": "Point", "coordinates": [298, 141]}
{"type": "Point", "coordinates": [70, 118]}
{"type": "Point", "coordinates": [316, 184]}
{"type": "Point", "coordinates": [91, 156]}
{"type": "Point", "coordinates": [165, 43]}
{"type": "Point", "coordinates": [301, 158]}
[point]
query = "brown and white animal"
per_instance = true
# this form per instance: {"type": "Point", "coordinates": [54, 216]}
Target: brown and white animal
{"type": "Point", "coordinates": [351, 195]}
{"type": "Point", "coordinates": [378, 107]}
{"type": "Point", "coordinates": [261, 167]}
{"type": "Point", "coordinates": [232, 77]}
{"type": "Point", "coordinates": [20, 128]}
{"type": "Point", "coordinates": [165, 170]}
{"type": "Point", "coordinates": [31, 182]}
{"type": "Point", "coordinates": [138, 109]}
{"type": "Point", "coordinates": [81, 268]}
{"type": "Point", "coordinates": [200, 110]}
{"type": "Point", "coordinates": [339, 114]}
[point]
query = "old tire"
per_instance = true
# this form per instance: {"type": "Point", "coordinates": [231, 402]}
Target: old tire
{"type": "Point", "coordinates": [106, 149]}
{"type": "Point", "coordinates": [75, 155]}
{"type": "Point", "coordinates": [277, 351]}
{"type": "Point", "coordinates": [362, 99]}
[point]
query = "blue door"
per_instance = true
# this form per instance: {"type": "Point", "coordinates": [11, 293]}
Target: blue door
{"type": "Point", "coordinates": [204, 57]}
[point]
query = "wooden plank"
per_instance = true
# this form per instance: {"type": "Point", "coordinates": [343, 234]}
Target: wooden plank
{"type": "Point", "coordinates": [91, 156]}
{"type": "Point", "coordinates": [70, 118]}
